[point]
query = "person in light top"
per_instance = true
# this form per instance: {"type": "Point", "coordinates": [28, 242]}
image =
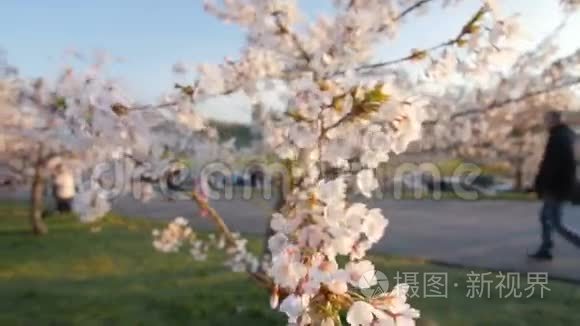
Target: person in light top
{"type": "Point", "coordinates": [63, 187]}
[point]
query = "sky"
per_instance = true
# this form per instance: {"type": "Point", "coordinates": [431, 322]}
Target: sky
{"type": "Point", "coordinates": [151, 35]}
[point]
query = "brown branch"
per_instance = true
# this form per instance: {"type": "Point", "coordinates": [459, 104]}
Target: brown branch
{"type": "Point", "coordinates": [153, 107]}
{"type": "Point", "coordinates": [403, 13]}
{"type": "Point", "coordinates": [350, 4]}
{"type": "Point", "coordinates": [187, 90]}
{"type": "Point", "coordinates": [259, 276]}
{"type": "Point", "coordinates": [415, 55]}
{"type": "Point", "coordinates": [345, 118]}
{"type": "Point", "coordinates": [215, 217]}
{"type": "Point", "coordinates": [411, 8]}
{"type": "Point", "coordinates": [293, 36]}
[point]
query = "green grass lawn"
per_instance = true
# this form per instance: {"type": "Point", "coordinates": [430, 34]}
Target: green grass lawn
{"type": "Point", "coordinates": [74, 276]}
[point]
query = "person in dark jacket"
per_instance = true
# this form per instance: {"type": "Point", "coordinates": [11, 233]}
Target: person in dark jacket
{"type": "Point", "coordinates": [555, 183]}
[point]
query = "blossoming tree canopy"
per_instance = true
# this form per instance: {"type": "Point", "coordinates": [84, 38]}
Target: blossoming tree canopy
{"type": "Point", "coordinates": [69, 119]}
{"type": "Point", "coordinates": [346, 115]}
{"type": "Point", "coordinates": [85, 120]}
{"type": "Point", "coordinates": [483, 121]}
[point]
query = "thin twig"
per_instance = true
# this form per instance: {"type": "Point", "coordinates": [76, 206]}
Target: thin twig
{"type": "Point", "coordinates": [411, 8]}
{"type": "Point", "coordinates": [216, 218]}
{"type": "Point", "coordinates": [152, 106]}
{"type": "Point", "coordinates": [499, 104]}
{"type": "Point", "coordinates": [409, 57]}
{"type": "Point", "coordinates": [293, 36]}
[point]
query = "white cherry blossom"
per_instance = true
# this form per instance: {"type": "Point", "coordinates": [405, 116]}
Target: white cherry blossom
{"type": "Point", "coordinates": [366, 182]}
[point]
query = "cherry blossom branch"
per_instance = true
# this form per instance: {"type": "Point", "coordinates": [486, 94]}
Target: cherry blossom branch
{"type": "Point", "coordinates": [499, 104]}
{"type": "Point", "coordinates": [496, 105]}
{"type": "Point", "coordinates": [346, 299]}
{"type": "Point", "coordinates": [204, 205]}
{"type": "Point", "coordinates": [259, 276]}
{"type": "Point", "coordinates": [467, 29]}
{"type": "Point", "coordinates": [413, 55]}
{"type": "Point", "coordinates": [454, 146]}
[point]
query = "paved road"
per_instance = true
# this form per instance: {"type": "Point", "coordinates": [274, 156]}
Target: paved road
{"type": "Point", "coordinates": [488, 234]}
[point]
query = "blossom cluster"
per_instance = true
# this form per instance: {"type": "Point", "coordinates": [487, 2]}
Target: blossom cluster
{"type": "Point", "coordinates": [85, 119]}
{"type": "Point", "coordinates": [342, 121]}
{"type": "Point", "coordinates": [317, 224]}
{"type": "Point", "coordinates": [178, 233]}
{"type": "Point", "coordinates": [173, 236]}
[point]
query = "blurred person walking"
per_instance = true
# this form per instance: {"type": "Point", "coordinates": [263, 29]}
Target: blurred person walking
{"type": "Point", "coordinates": [555, 183]}
{"type": "Point", "coordinates": [63, 189]}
